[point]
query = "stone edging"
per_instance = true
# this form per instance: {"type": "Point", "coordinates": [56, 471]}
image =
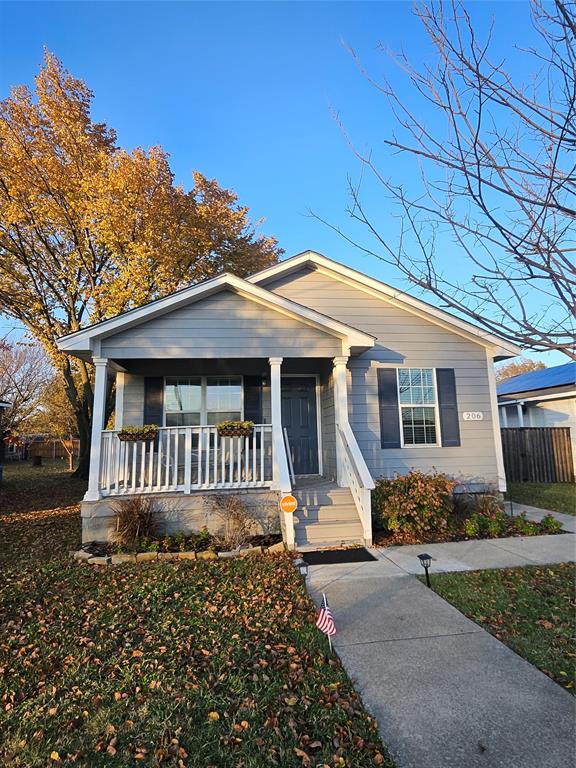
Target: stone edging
{"type": "Point", "coordinates": [145, 557]}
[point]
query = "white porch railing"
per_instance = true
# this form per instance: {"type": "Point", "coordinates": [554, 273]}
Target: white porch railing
{"type": "Point", "coordinates": [185, 459]}
{"type": "Point", "coordinates": [357, 477]}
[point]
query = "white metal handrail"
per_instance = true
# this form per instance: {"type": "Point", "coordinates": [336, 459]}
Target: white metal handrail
{"type": "Point", "coordinates": [186, 459]}
{"type": "Point", "coordinates": [289, 456]}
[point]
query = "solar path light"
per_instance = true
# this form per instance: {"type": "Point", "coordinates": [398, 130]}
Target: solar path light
{"type": "Point", "coordinates": [425, 562]}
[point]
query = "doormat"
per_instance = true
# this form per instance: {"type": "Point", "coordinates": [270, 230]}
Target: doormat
{"type": "Point", "coordinates": [334, 556]}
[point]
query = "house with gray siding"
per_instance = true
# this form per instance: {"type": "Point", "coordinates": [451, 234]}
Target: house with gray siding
{"type": "Point", "coordinates": [346, 380]}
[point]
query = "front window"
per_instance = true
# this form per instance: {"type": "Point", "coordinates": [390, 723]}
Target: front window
{"type": "Point", "coordinates": [183, 402]}
{"type": "Point", "coordinates": [202, 400]}
{"type": "Point", "coordinates": [223, 399]}
{"type": "Point", "coordinates": [417, 396]}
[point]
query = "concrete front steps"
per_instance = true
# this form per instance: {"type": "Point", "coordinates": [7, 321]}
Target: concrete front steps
{"type": "Point", "coordinates": [326, 515]}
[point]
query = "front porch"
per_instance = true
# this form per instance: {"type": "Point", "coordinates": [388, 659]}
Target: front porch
{"type": "Point", "coordinates": [300, 414]}
{"type": "Point", "coordinates": [222, 350]}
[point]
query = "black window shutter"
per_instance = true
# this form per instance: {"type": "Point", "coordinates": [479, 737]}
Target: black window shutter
{"type": "Point", "coordinates": [448, 406]}
{"type": "Point", "coordinates": [253, 399]}
{"type": "Point", "coordinates": [388, 402]}
{"type": "Point", "coordinates": [154, 400]}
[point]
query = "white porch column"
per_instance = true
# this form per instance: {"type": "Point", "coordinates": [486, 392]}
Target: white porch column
{"type": "Point", "coordinates": [504, 416]}
{"type": "Point", "coordinates": [119, 402]}
{"type": "Point", "coordinates": [276, 408]}
{"type": "Point", "coordinates": [520, 414]}
{"type": "Point", "coordinates": [340, 410]}
{"type": "Point", "coordinates": [98, 416]}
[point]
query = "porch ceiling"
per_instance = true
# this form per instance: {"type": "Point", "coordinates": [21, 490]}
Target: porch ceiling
{"type": "Point", "coordinates": [222, 367]}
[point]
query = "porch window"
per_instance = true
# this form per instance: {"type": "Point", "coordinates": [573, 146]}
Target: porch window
{"type": "Point", "coordinates": [417, 400]}
{"type": "Point", "coordinates": [202, 400]}
{"type": "Point", "coordinates": [183, 402]}
{"type": "Point", "coordinates": [223, 399]}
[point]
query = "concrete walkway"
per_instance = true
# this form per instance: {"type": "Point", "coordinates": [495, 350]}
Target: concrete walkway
{"type": "Point", "coordinates": [446, 693]}
{"type": "Point", "coordinates": [536, 514]}
{"type": "Point", "coordinates": [485, 553]}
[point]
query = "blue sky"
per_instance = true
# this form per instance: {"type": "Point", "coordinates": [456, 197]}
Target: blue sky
{"type": "Point", "coordinates": [244, 92]}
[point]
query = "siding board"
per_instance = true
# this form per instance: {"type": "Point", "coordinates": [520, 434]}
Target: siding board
{"type": "Point", "coordinates": [404, 339]}
{"type": "Point", "coordinates": [224, 325]}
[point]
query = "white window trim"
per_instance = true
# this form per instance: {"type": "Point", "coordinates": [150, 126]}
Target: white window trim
{"type": "Point", "coordinates": [203, 385]}
{"type": "Point", "coordinates": [434, 405]}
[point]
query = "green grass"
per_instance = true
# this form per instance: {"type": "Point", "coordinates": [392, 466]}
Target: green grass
{"type": "Point", "coordinates": [29, 489]}
{"type": "Point", "coordinates": [559, 497]}
{"type": "Point", "coordinates": [127, 661]}
{"type": "Point", "coordinates": [39, 511]}
{"type": "Point", "coordinates": [530, 609]}
{"type": "Point", "coordinates": [189, 664]}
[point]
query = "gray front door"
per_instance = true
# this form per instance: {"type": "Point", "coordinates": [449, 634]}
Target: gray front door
{"type": "Point", "coordinates": [299, 416]}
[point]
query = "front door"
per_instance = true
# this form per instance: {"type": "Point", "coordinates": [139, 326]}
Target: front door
{"type": "Point", "coordinates": [299, 417]}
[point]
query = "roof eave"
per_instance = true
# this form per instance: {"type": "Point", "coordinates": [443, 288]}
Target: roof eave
{"type": "Point", "coordinates": [502, 350]}
{"type": "Point", "coordinates": [85, 342]}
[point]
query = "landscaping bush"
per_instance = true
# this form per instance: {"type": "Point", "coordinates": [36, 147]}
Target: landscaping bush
{"type": "Point", "coordinates": [420, 507]}
{"type": "Point", "coordinates": [136, 519]}
{"type": "Point", "coordinates": [486, 524]}
{"type": "Point", "coordinates": [416, 505]}
{"type": "Point", "coordinates": [239, 523]}
{"type": "Point", "coordinates": [524, 526]}
{"type": "Point", "coordinates": [196, 541]}
{"type": "Point", "coordinates": [483, 515]}
{"type": "Point", "coordinates": [549, 524]}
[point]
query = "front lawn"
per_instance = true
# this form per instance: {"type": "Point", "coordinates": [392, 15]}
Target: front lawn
{"type": "Point", "coordinates": [39, 511]}
{"type": "Point", "coordinates": [188, 664]}
{"type": "Point", "coordinates": [530, 609]}
{"type": "Point", "coordinates": [559, 497]}
{"type": "Point", "coordinates": [28, 489]}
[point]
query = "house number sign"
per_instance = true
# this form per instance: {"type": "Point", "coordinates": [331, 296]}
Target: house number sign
{"type": "Point", "coordinates": [473, 416]}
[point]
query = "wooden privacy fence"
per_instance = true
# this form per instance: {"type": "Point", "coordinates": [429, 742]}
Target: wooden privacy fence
{"type": "Point", "coordinates": [538, 454]}
{"type": "Point", "coordinates": [53, 449]}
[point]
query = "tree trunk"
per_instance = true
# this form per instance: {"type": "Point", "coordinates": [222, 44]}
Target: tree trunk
{"type": "Point", "coordinates": [84, 422]}
{"type": "Point", "coordinates": [80, 396]}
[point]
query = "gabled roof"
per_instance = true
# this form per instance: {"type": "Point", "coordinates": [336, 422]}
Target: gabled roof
{"type": "Point", "coordinates": [314, 260]}
{"type": "Point", "coordinates": [546, 378]}
{"type": "Point", "coordinates": [85, 342]}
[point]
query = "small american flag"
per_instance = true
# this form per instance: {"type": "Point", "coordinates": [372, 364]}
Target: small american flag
{"type": "Point", "coordinates": [324, 620]}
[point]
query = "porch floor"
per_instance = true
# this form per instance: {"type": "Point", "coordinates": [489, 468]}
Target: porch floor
{"type": "Point", "coordinates": [316, 482]}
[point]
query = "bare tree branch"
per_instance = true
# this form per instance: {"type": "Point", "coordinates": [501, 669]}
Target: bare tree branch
{"type": "Point", "coordinates": [499, 181]}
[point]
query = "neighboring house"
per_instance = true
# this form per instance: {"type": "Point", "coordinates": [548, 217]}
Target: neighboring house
{"type": "Point", "coordinates": [543, 398]}
{"type": "Point", "coordinates": [3, 407]}
{"type": "Point", "coordinates": [358, 379]}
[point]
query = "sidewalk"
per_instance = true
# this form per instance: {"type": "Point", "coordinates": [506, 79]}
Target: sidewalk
{"type": "Point", "coordinates": [485, 553]}
{"type": "Point", "coordinates": [446, 693]}
{"type": "Point", "coordinates": [535, 513]}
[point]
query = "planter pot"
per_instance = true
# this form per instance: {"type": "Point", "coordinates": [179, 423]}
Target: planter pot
{"type": "Point", "coordinates": [147, 437]}
{"type": "Point", "coordinates": [235, 432]}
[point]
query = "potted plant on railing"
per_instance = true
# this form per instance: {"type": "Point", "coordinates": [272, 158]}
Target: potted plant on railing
{"type": "Point", "coordinates": [235, 428]}
{"type": "Point", "coordinates": [132, 434]}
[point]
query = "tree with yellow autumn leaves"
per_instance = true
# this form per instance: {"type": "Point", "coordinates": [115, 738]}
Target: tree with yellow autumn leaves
{"type": "Point", "coordinates": [88, 229]}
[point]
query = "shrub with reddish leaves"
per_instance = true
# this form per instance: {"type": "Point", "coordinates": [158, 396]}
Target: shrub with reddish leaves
{"type": "Point", "coordinates": [416, 504]}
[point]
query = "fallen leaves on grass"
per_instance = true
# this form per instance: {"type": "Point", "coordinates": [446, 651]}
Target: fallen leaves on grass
{"type": "Point", "coordinates": [39, 513]}
{"type": "Point", "coordinates": [531, 609]}
{"type": "Point", "coordinates": [113, 666]}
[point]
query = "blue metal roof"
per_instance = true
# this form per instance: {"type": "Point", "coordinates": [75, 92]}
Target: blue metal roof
{"type": "Point", "coordinates": [558, 376]}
